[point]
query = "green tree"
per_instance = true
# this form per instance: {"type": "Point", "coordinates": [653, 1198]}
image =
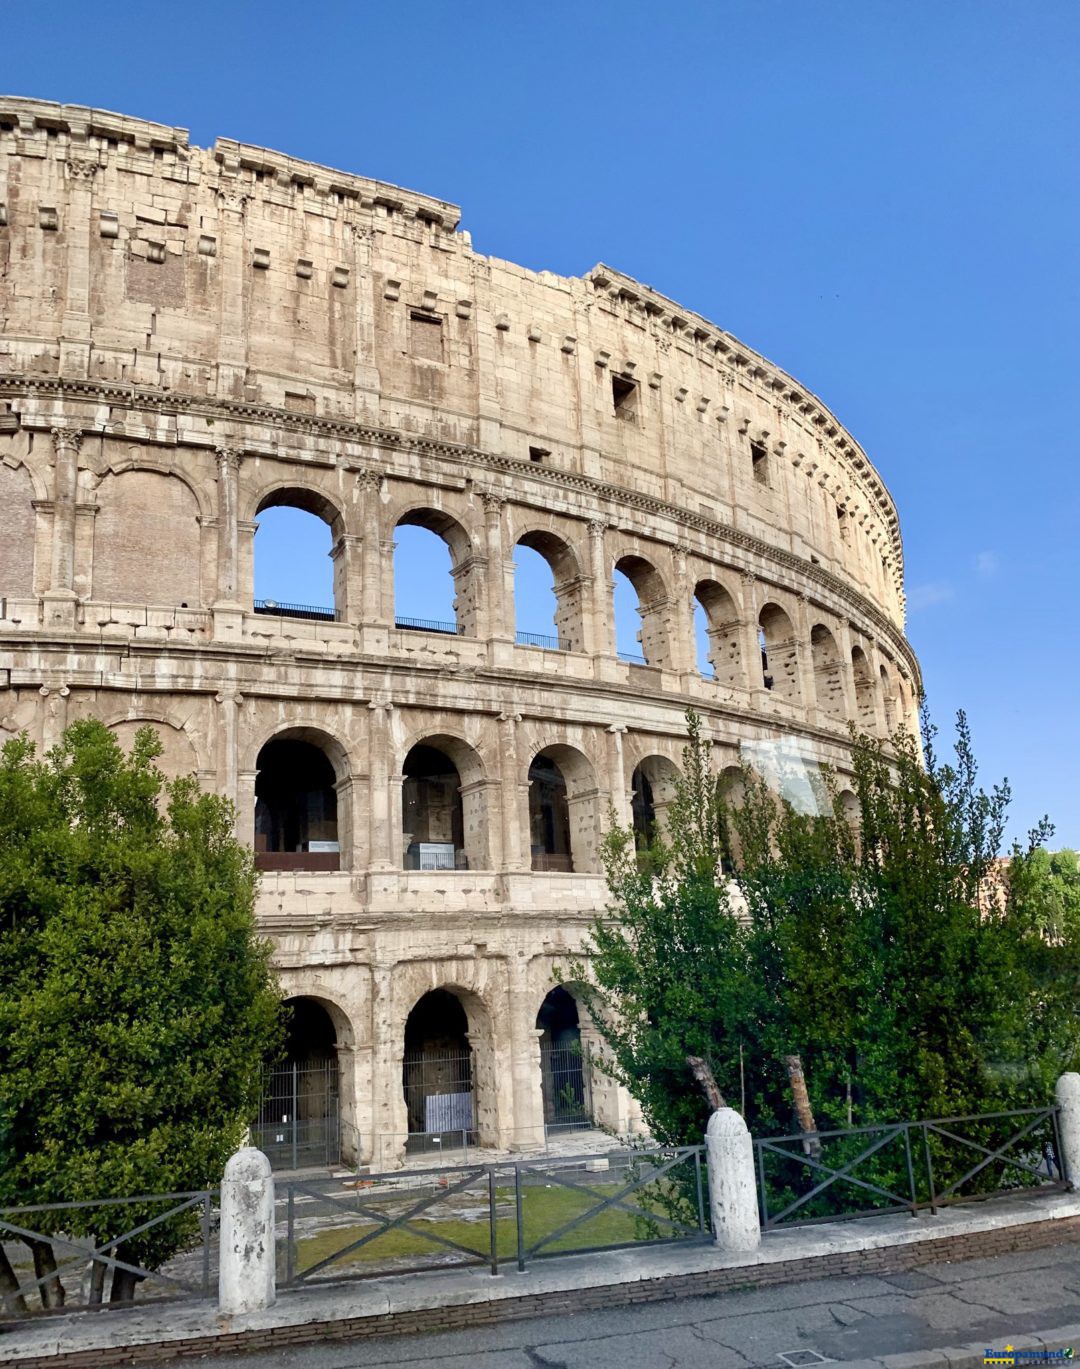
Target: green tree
{"type": "Point", "coordinates": [137, 1003]}
{"type": "Point", "coordinates": [771, 943]}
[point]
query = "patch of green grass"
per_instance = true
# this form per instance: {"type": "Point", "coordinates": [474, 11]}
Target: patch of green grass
{"type": "Point", "coordinates": [545, 1210]}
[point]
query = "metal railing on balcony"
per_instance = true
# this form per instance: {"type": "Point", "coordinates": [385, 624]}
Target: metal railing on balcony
{"type": "Point", "coordinates": [632, 658]}
{"type": "Point", "coordinates": [310, 611]}
{"type": "Point", "coordinates": [538, 639]}
{"type": "Point", "coordinates": [427, 625]}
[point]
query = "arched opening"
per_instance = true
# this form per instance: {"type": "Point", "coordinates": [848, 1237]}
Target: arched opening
{"type": "Point", "coordinates": [562, 811]}
{"type": "Point", "coordinates": [828, 675]}
{"type": "Point", "coordinates": [865, 704]}
{"type": "Point", "coordinates": [298, 572]}
{"type": "Point", "coordinates": [641, 634]}
{"type": "Point", "coordinates": [437, 1074]}
{"type": "Point", "coordinates": [652, 787]}
{"type": "Point", "coordinates": [296, 807]}
{"type": "Point", "coordinates": [889, 700]}
{"type": "Point", "coordinates": [547, 593]}
{"type": "Point", "coordinates": [716, 628]}
{"type": "Point", "coordinates": [779, 652]}
{"type": "Point", "coordinates": [436, 583]}
{"type": "Point", "coordinates": [443, 812]}
{"type": "Point", "coordinates": [299, 1116]}
{"type": "Point", "coordinates": [564, 1067]}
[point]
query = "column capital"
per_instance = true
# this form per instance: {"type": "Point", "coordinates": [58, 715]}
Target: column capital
{"type": "Point", "coordinates": [229, 459]}
{"type": "Point", "coordinates": [66, 438]}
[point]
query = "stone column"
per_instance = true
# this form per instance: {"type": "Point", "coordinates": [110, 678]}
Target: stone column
{"type": "Point", "coordinates": [53, 714]}
{"type": "Point", "coordinates": [600, 615]}
{"type": "Point", "coordinates": [514, 839]}
{"type": "Point", "coordinates": [376, 567]}
{"type": "Point", "coordinates": [381, 855]}
{"type": "Point", "coordinates": [847, 674]}
{"type": "Point", "coordinates": [621, 792]}
{"type": "Point", "coordinates": [347, 555]}
{"type": "Point", "coordinates": [751, 643]}
{"type": "Point", "coordinates": [228, 530]}
{"type": "Point", "coordinates": [389, 1121]}
{"type": "Point", "coordinates": [247, 1272]}
{"type": "Point", "coordinates": [732, 1182]}
{"type": "Point", "coordinates": [682, 648]}
{"type": "Point", "coordinates": [500, 606]}
{"type": "Point", "coordinates": [1067, 1092]}
{"type": "Point", "coordinates": [232, 347]}
{"type": "Point", "coordinates": [804, 658]}
{"type": "Point", "coordinates": [75, 325]}
{"type": "Point", "coordinates": [60, 598]}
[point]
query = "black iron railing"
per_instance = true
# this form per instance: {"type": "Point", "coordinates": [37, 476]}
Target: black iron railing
{"type": "Point", "coordinates": [427, 625]}
{"type": "Point", "coordinates": [538, 639]}
{"type": "Point", "coordinates": [632, 658]}
{"type": "Point", "coordinates": [310, 611]}
{"type": "Point", "coordinates": [829, 1176]}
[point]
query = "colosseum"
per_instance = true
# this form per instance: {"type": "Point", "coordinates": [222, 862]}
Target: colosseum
{"type": "Point", "coordinates": [192, 337]}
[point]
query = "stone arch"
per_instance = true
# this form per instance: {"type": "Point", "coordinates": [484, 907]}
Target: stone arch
{"type": "Point", "coordinates": [444, 805]}
{"type": "Point", "coordinates": [779, 652]}
{"type": "Point", "coordinates": [567, 585]}
{"type": "Point", "coordinates": [652, 787]}
{"type": "Point", "coordinates": [300, 1113]}
{"type": "Point", "coordinates": [888, 699]}
{"type": "Point", "coordinates": [147, 540]}
{"type": "Point", "coordinates": [565, 1074]}
{"type": "Point", "coordinates": [564, 811]}
{"type": "Point", "coordinates": [652, 597]}
{"type": "Point", "coordinates": [179, 756]}
{"type": "Point", "coordinates": [828, 671]}
{"type": "Point", "coordinates": [722, 627]}
{"type": "Point", "coordinates": [314, 504]}
{"type": "Point", "coordinates": [18, 523]}
{"type": "Point", "coordinates": [302, 816]}
{"type": "Point", "coordinates": [465, 570]}
{"type": "Point", "coordinates": [448, 1075]}
{"type": "Point", "coordinates": [865, 693]}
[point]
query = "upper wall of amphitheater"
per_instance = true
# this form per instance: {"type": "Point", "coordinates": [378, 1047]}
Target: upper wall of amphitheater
{"type": "Point", "coordinates": [236, 283]}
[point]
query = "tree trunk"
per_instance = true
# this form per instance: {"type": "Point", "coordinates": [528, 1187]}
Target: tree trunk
{"type": "Point", "coordinates": [123, 1281]}
{"type": "Point", "coordinates": [13, 1301]}
{"type": "Point", "coordinates": [803, 1111]}
{"type": "Point", "coordinates": [52, 1290]}
{"type": "Point", "coordinates": [702, 1072]}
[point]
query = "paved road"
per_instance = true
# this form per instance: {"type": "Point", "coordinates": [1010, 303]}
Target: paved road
{"type": "Point", "coordinates": [988, 1300]}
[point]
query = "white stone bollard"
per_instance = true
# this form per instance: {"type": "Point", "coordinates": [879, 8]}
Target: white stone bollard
{"type": "Point", "coordinates": [1068, 1098]}
{"type": "Point", "coordinates": [732, 1182]}
{"type": "Point", "coordinates": [247, 1278]}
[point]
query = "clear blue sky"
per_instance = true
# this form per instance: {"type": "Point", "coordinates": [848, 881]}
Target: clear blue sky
{"type": "Point", "coordinates": [880, 196]}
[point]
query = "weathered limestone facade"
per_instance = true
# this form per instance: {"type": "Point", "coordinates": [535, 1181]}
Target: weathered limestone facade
{"type": "Point", "coordinates": [190, 336]}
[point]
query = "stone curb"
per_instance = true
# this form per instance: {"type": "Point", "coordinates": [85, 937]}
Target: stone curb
{"type": "Point", "coordinates": [970, 1356]}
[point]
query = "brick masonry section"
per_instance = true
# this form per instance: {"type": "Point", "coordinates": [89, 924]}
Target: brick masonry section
{"type": "Point", "coordinates": [884, 1260]}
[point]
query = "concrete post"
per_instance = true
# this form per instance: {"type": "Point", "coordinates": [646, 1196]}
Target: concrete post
{"type": "Point", "coordinates": [247, 1276]}
{"type": "Point", "coordinates": [1068, 1098]}
{"type": "Point", "coordinates": [732, 1186]}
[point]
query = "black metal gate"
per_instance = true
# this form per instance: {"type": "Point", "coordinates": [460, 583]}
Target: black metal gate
{"type": "Point", "coordinates": [439, 1100]}
{"type": "Point", "coordinates": [564, 1074]}
{"type": "Point", "coordinates": [299, 1122]}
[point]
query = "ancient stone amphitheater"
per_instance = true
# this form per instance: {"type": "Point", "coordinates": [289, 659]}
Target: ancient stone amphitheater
{"type": "Point", "coordinates": [189, 337]}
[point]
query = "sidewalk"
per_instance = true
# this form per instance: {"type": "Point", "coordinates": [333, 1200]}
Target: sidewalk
{"type": "Point", "coordinates": [473, 1298]}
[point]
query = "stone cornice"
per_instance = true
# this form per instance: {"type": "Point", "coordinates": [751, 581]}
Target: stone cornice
{"type": "Point", "coordinates": [468, 457]}
{"type": "Point", "coordinates": [748, 366]}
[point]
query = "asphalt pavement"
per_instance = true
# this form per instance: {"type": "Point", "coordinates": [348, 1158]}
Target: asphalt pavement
{"type": "Point", "coordinates": [993, 1301]}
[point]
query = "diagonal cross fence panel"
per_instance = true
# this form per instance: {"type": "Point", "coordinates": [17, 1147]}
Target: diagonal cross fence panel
{"type": "Point", "coordinates": [832, 1176]}
{"type": "Point", "coordinates": [65, 1256]}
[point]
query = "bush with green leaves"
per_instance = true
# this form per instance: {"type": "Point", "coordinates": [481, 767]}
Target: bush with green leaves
{"type": "Point", "coordinates": [894, 958]}
{"type": "Point", "coordinates": [137, 1002]}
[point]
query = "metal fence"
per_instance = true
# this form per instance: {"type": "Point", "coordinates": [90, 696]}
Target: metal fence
{"type": "Point", "coordinates": [438, 1100]}
{"type": "Point", "coordinates": [427, 625]}
{"type": "Point", "coordinates": [489, 1215]}
{"type": "Point", "coordinates": [830, 1176]}
{"type": "Point", "coordinates": [310, 611]}
{"type": "Point", "coordinates": [538, 639]}
{"type": "Point", "coordinates": [299, 1124]}
{"type": "Point", "coordinates": [65, 1256]}
{"type": "Point", "coordinates": [566, 1081]}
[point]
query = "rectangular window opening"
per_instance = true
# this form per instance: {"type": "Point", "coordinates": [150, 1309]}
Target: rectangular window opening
{"type": "Point", "coordinates": [538, 453]}
{"type": "Point", "coordinates": [842, 521]}
{"type": "Point", "coordinates": [624, 394]}
{"type": "Point", "coordinates": [425, 335]}
{"type": "Point", "coordinates": [759, 459]}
